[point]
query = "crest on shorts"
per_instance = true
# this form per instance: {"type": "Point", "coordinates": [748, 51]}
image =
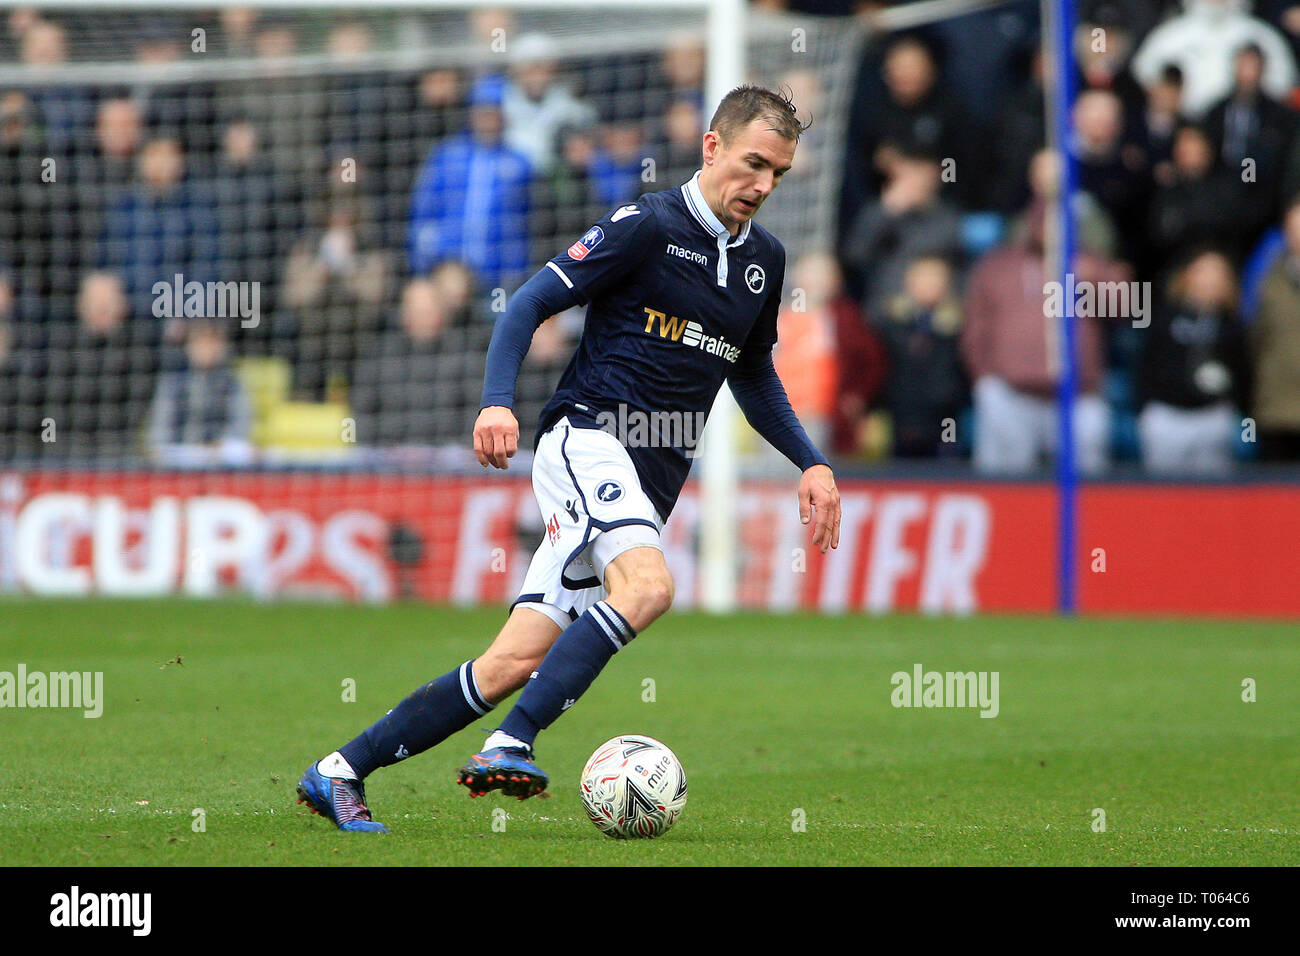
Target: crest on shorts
{"type": "Point", "coordinates": [609, 491]}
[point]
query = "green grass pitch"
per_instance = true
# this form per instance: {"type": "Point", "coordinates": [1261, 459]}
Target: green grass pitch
{"type": "Point", "coordinates": [776, 719]}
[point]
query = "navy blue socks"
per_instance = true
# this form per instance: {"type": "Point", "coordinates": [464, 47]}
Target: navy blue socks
{"type": "Point", "coordinates": [570, 666]}
{"type": "Point", "coordinates": [452, 702]}
{"type": "Point", "coordinates": [425, 718]}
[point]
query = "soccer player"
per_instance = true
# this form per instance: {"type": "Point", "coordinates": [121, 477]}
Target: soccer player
{"type": "Point", "coordinates": [682, 289]}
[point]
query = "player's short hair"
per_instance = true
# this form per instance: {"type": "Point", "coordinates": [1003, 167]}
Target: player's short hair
{"type": "Point", "coordinates": [747, 103]}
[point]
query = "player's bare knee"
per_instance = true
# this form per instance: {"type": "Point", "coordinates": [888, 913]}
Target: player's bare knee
{"type": "Point", "coordinates": [643, 598]}
{"type": "Point", "coordinates": [660, 594]}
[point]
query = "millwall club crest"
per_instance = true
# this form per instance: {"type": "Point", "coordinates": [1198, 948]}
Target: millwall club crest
{"type": "Point", "coordinates": [608, 492]}
{"type": "Point", "coordinates": [754, 278]}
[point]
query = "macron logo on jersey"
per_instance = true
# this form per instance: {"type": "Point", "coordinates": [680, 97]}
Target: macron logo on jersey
{"type": "Point", "coordinates": [676, 250]}
{"type": "Point", "coordinates": [590, 240]}
{"type": "Point", "coordinates": [690, 333]}
{"type": "Point", "coordinates": [623, 212]}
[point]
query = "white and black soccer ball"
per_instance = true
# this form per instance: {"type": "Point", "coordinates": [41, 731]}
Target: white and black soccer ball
{"type": "Point", "coordinates": [633, 787]}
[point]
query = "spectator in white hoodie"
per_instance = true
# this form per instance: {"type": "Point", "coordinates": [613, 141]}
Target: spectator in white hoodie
{"type": "Point", "coordinates": [1203, 42]}
{"type": "Point", "coordinates": [537, 105]}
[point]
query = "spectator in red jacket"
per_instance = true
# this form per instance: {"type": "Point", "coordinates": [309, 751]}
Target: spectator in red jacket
{"type": "Point", "coordinates": [1010, 351]}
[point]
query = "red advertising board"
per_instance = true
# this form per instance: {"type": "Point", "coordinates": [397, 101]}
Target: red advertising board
{"type": "Point", "coordinates": [1222, 550]}
{"type": "Point", "coordinates": [934, 547]}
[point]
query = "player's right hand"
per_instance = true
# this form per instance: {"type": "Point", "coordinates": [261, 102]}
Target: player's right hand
{"type": "Point", "coordinates": [496, 436]}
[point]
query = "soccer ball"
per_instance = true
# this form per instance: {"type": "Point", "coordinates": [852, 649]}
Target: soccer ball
{"type": "Point", "coordinates": [633, 787]}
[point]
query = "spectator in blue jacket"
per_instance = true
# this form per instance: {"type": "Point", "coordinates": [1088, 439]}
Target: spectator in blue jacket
{"type": "Point", "coordinates": [471, 199]}
{"type": "Point", "coordinates": [164, 225]}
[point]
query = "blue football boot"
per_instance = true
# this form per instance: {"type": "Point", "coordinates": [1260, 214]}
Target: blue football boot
{"type": "Point", "coordinates": [508, 769]}
{"type": "Point", "coordinates": [343, 802]}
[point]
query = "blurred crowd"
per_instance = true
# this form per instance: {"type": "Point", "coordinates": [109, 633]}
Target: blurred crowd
{"type": "Point", "coordinates": [1183, 137]}
{"type": "Point", "coordinates": [386, 213]}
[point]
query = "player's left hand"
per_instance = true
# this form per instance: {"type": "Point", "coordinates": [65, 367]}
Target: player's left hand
{"type": "Point", "coordinates": [818, 495]}
{"type": "Point", "coordinates": [496, 436]}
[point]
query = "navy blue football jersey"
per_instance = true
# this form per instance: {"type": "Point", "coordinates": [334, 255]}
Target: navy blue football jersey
{"type": "Point", "coordinates": [675, 305]}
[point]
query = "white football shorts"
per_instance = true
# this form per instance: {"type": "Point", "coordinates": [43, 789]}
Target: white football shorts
{"type": "Point", "coordinates": [593, 509]}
